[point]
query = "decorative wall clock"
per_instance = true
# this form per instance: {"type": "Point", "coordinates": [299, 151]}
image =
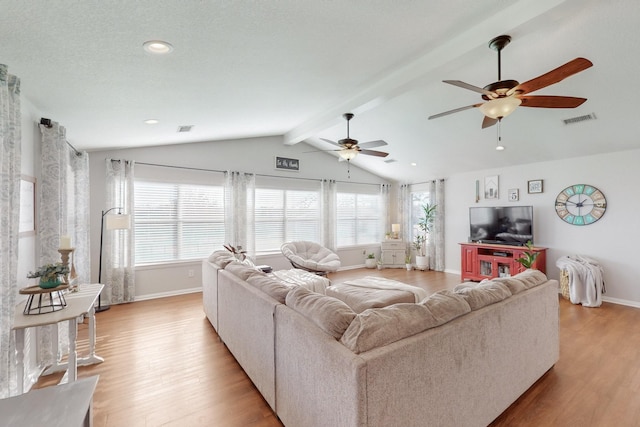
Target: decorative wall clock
{"type": "Point", "coordinates": [581, 204]}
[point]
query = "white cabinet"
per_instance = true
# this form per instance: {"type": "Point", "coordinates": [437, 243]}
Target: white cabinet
{"type": "Point", "coordinates": [392, 253]}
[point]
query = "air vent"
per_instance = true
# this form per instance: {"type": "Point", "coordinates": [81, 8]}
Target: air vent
{"type": "Point", "coordinates": [572, 120]}
{"type": "Point", "coordinates": [390, 161]}
{"type": "Point", "coordinates": [185, 128]}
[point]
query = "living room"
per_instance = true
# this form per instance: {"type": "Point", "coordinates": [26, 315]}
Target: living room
{"type": "Point", "coordinates": [539, 146]}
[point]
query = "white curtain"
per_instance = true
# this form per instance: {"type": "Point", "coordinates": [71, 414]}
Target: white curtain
{"type": "Point", "coordinates": [435, 246]}
{"type": "Point", "coordinates": [118, 251]}
{"type": "Point", "coordinates": [10, 158]}
{"type": "Point", "coordinates": [404, 213]}
{"type": "Point", "coordinates": [239, 209]}
{"type": "Point", "coordinates": [385, 200]}
{"type": "Point", "coordinates": [329, 217]}
{"type": "Point", "coordinates": [62, 210]}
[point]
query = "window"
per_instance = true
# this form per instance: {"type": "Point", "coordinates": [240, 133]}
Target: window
{"type": "Point", "coordinates": [359, 218]}
{"type": "Point", "coordinates": [417, 200]}
{"type": "Point", "coordinates": [285, 215]}
{"type": "Point", "coordinates": [176, 221]}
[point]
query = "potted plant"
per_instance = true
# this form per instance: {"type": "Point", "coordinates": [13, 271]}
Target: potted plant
{"type": "Point", "coordinates": [528, 257]}
{"type": "Point", "coordinates": [425, 223]}
{"type": "Point", "coordinates": [379, 264]}
{"type": "Point", "coordinates": [370, 260]}
{"type": "Point", "coordinates": [407, 260]}
{"type": "Point", "coordinates": [49, 275]}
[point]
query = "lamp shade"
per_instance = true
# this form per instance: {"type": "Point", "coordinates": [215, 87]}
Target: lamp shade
{"type": "Point", "coordinates": [395, 228]}
{"type": "Point", "coordinates": [500, 107]}
{"type": "Point", "coordinates": [118, 222]}
{"type": "Point", "coordinates": [348, 153]}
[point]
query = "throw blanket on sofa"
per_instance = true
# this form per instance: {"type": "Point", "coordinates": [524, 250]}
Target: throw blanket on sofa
{"type": "Point", "coordinates": [295, 277]}
{"type": "Point", "coordinates": [382, 283]}
{"type": "Point", "coordinates": [586, 282]}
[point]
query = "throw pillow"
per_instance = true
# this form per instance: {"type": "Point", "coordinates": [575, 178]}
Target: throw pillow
{"type": "Point", "coordinates": [329, 314]}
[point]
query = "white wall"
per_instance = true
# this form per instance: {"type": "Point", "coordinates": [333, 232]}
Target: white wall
{"type": "Point", "coordinates": [611, 240]}
{"type": "Point", "coordinates": [256, 155]}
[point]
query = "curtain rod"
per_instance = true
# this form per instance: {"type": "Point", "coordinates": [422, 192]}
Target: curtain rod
{"type": "Point", "coordinates": [257, 174]}
{"type": "Point", "coordinates": [73, 148]}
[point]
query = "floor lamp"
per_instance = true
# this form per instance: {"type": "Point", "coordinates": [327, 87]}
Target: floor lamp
{"type": "Point", "coordinates": [117, 221]}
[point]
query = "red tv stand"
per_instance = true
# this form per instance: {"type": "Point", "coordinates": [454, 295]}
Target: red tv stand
{"type": "Point", "coordinates": [481, 261]}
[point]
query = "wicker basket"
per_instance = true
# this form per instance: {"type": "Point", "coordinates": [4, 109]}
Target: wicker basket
{"type": "Point", "coordinates": [564, 283]}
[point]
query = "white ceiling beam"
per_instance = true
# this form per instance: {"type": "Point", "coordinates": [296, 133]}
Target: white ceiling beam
{"type": "Point", "coordinates": [407, 76]}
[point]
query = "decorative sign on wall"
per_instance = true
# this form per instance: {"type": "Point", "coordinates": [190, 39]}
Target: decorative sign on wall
{"type": "Point", "coordinates": [287, 164]}
{"type": "Point", "coordinates": [491, 187]}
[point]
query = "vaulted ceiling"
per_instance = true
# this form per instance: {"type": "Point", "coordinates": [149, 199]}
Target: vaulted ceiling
{"type": "Point", "coordinates": [291, 67]}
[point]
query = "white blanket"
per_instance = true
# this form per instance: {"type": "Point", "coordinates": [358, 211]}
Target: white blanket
{"type": "Point", "coordinates": [586, 280]}
{"type": "Point", "coordinates": [297, 277]}
{"type": "Point", "coordinates": [382, 283]}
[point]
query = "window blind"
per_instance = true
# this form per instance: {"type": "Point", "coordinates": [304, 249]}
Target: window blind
{"type": "Point", "coordinates": [177, 221]}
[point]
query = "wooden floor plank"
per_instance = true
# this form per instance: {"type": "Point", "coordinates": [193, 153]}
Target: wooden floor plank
{"type": "Point", "coordinates": [165, 366]}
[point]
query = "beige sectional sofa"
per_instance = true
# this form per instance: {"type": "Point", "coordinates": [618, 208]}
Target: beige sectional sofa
{"type": "Point", "coordinates": [456, 358]}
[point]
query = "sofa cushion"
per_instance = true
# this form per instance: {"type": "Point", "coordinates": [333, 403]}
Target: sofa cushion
{"type": "Point", "coordinates": [242, 270]}
{"type": "Point", "coordinates": [329, 314]}
{"type": "Point", "coordinates": [269, 286]}
{"type": "Point", "coordinates": [483, 294]}
{"type": "Point", "coordinates": [515, 286]}
{"type": "Point", "coordinates": [531, 278]}
{"type": "Point", "coordinates": [221, 258]}
{"type": "Point", "coordinates": [377, 327]}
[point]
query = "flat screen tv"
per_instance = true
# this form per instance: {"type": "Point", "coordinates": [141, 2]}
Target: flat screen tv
{"type": "Point", "coordinates": [507, 225]}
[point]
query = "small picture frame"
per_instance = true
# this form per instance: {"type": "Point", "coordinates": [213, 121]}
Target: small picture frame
{"type": "Point", "coordinates": [534, 186]}
{"type": "Point", "coordinates": [513, 195]}
{"type": "Point", "coordinates": [491, 187]}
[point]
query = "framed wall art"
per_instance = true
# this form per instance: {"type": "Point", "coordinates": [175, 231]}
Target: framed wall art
{"type": "Point", "coordinates": [27, 226]}
{"type": "Point", "coordinates": [491, 187]}
{"type": "Point", "coordinates": [534, 186]}
{"type": "Point", "coordinates": [513, 195]}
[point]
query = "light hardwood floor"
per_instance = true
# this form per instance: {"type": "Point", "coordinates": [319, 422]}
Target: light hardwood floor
{"type": "Point", "coordinates": [164, 366]}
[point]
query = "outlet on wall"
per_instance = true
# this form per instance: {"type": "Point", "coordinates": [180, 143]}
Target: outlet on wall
{"type": "Point", "coordinates": [191, 273]}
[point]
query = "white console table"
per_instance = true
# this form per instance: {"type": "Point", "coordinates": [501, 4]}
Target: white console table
{"type": "Point", "coordinates": [79, 304]}
{"type": "Point", "coordinates": [66, 405]}
{"type": "Point", "coordinates": [392, 253]}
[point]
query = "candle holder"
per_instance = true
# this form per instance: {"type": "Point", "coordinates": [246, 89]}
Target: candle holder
{"type": "Point", "coordinates": [69, 278]}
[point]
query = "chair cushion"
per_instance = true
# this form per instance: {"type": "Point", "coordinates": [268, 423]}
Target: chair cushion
{"type": "Point", "coordinates": [311, 255]}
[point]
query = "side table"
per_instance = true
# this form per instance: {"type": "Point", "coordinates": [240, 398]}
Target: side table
{"type": "Point", "coordinates": [57, 406]}
{"type": "Point", "coordinates": [79, 304]}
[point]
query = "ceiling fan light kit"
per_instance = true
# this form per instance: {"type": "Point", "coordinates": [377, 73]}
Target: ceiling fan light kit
{"type": "Point", "coordinates": [349, 148]}
{"type": "Point", "coordinates": [500, 107]}
{"type": "Point", "coordinates": [504, 96]}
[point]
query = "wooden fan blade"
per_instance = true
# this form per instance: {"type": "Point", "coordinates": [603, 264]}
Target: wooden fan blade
{"type": "Point", "coordinates": [548, 101]}
{"type": "Point", "coordinates": [373, 153]}
{"type": "Point", "coordinates": [331, 142]}
{"type": "Point", "coordinates": [553, 76]}
{"type": "Point", "coordinates": [471, 87]}
{"type": "Point", "coordinates": [488, 122]}
{"type": "Point", "coordinates": [446, 113]}
{"type": "Point", "coordinates": [373, 144]}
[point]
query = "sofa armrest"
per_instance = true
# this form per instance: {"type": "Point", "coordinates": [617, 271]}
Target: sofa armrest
{"type": "Point", "coordinates": [319, 381]}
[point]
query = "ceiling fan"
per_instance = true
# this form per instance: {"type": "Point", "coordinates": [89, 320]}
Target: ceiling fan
{"type": "Point", "coordinates": [349, 148]}
{"type": "Point", "coordinates": [504, 96]}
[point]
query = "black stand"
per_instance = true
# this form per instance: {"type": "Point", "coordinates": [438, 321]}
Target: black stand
{"type": "Point", "coordinates": [100, 308]}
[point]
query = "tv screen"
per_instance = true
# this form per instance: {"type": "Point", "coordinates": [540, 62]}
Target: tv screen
{"type": "Point", "coordinates": [507, 225]}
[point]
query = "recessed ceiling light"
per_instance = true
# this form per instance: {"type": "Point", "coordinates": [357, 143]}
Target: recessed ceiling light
{"type": "Point", "coordinates": [151, 121]}
{"type": "Point", "coordinates": [157, 47]}
{"type": "Point", "coordinates": [414, 164]}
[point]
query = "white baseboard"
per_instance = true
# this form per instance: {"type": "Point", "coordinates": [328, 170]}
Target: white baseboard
{"type": "Point", "coordinates": [619, 301]}
{"type": "Point", "coordinates": [168, 294]}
